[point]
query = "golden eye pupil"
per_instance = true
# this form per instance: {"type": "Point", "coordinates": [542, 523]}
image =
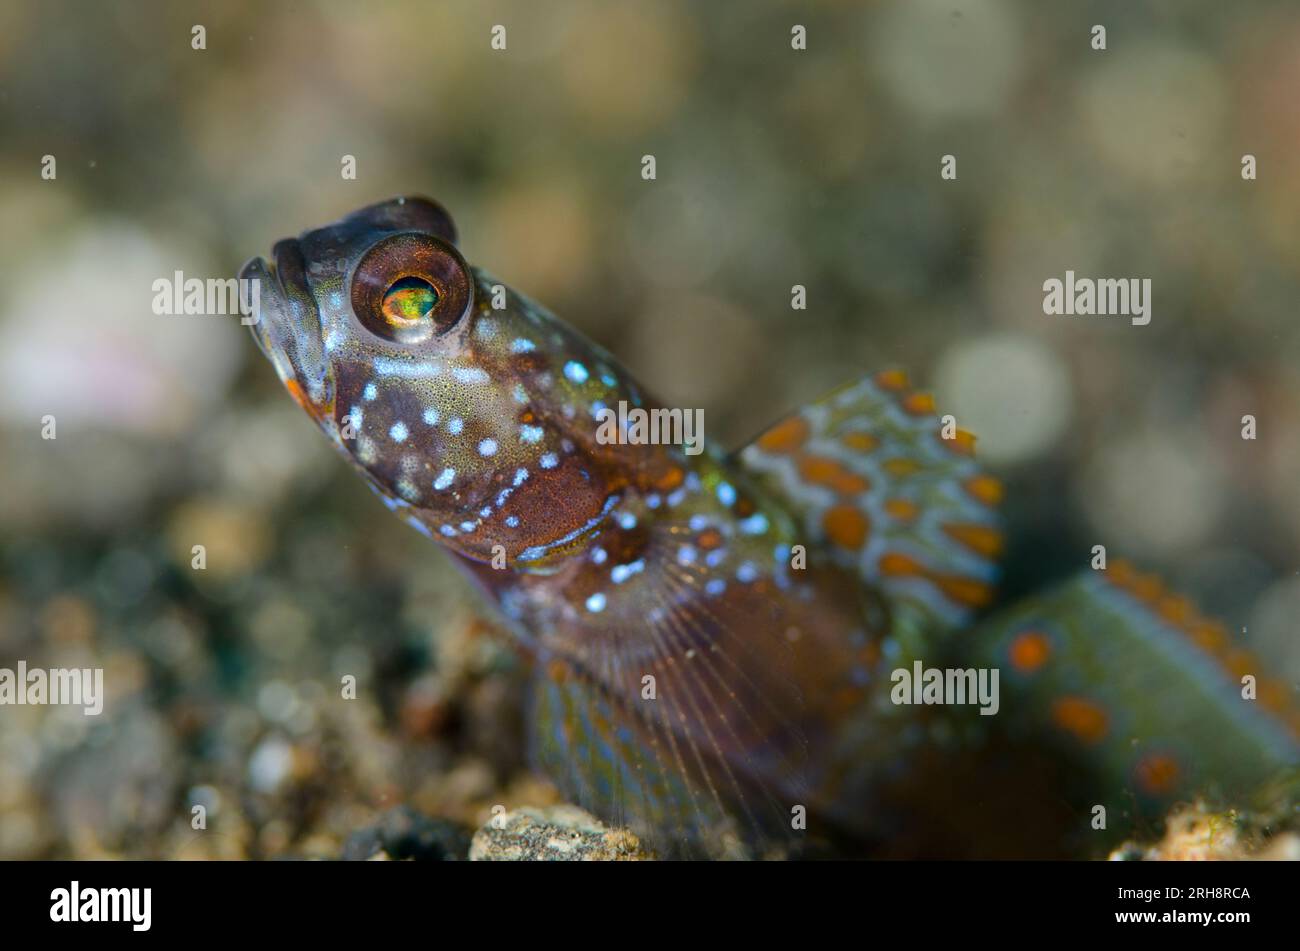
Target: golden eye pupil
{"type": "Point", "coordinates": [409, 300]}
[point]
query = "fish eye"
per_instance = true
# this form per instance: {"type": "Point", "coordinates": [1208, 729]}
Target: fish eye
{"type": "Point", "coordinates": [410, 287]}
{"type": "Point", "coordinates": [408, 300]}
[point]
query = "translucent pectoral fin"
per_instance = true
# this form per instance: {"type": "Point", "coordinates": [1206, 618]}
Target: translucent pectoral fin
{"type": "Point", "coordinates": [632, 768]}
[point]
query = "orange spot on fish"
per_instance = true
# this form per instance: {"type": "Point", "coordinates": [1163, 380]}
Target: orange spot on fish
{"type": "Point", "coordinates": [817, 469]}
{"type": "Point", "coordinates": [965, 591]}
{"type": "Point", "coordinates": [845, 526]}
{"type": "Point", "coordinates": [1209, 635]}
{"type": "Point", "coordinates": [318, 413]}
{"type": "Point", "coordinates": [786, 436]}
{"type": "Point", "coordinates": [978, 538]}
{"type": "Point", "coordinates": [893, 564]}
{"type": "Point", "coordinates": [962, 442]}
{"type": "Point", "coordinates": [299, 396]}
{"type": "Point", "coordinates": [1274, 695]}
{"type": "Point", "coordinates": [709, 538]}
{"type": "Point", "coordinates": [1080, 717]}
{"type": "Point", "coordinates": [828, 472]}
{"type": "Point", "coordinates": [1149, 589]}
{"type": "Point", "coordinates": [670, 479]}
{"type": "Point", "coordinates": [902, 466]}
{"type": "Point", "coordinates": [919, 404]}
{"type": "Point", "coordinates": [1120, 574]}
{"type": "Point", "coordinates": [985, 489]}
{"type": "Point", "coordinates": [1176, 610]}
{"type": "Point", "coordinates": [892, 380]}
{"type": "Point", "coordinates": [902, 509]}
{"type": "Point", "coordinates": [1030, 651]}
{"type": "Point", "coordinates": [850, 483]}
{"type": "Point", "coordinates": [1239, 663]}
{"type": "Point", "coordinates": [1157, 774]}
{"type": "Point", "coordinates": [861, 442]}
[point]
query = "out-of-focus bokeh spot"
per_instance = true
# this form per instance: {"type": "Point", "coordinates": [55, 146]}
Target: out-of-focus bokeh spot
{"type": "Point", "coordinates": [1156, 492]}
{"type": "Point", "coordinates": [1011, 391]}
{"type": "Point", "coordinates": [80, 341]}
{"type": "Point", "coordinates": [945, 60]}
{"type": "Point", "coordinates": [1154, 111]}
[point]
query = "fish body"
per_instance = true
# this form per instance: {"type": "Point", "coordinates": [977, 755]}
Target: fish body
{"type": "Point", "coordinates": [715, 635]}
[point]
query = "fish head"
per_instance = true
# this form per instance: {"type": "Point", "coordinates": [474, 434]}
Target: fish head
{"type": "Point", "coordinates": [470, 409]}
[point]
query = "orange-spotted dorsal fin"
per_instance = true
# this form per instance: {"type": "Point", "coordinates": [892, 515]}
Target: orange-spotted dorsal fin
{"type": "Point", "coordinates": [879, 483]}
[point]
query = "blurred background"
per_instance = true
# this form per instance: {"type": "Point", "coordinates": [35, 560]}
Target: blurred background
{"type": "Point", "coordinates": [775, 167]}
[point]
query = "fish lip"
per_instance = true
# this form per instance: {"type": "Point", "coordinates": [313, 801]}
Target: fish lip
{"type": "Point", "coordinates": [287, 324]}
{"type": "Point", "coordinates": [256, 269]}
{"type": "Point", "coordinates": [287, 280]}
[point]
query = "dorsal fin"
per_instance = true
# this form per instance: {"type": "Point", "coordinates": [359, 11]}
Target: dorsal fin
{"type": "Point", "coordinates": [873, 482]}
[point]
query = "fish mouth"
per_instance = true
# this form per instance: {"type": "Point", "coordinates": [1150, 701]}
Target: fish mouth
{"type": "Point", "coordinates": [286, 324]}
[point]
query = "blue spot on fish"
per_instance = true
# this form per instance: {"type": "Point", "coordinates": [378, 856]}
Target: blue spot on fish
{"type": "Point", "coordinates": [621, 573]}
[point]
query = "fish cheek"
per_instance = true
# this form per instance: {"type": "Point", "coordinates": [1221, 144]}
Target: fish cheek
{"type": "Point", "coordinates": [553, 513]}
{"type": "Point", "coordinates": [349, 410]}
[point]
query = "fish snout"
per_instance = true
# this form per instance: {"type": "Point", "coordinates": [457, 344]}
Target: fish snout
{"type": "Point", "coordinates": [284, 318]}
